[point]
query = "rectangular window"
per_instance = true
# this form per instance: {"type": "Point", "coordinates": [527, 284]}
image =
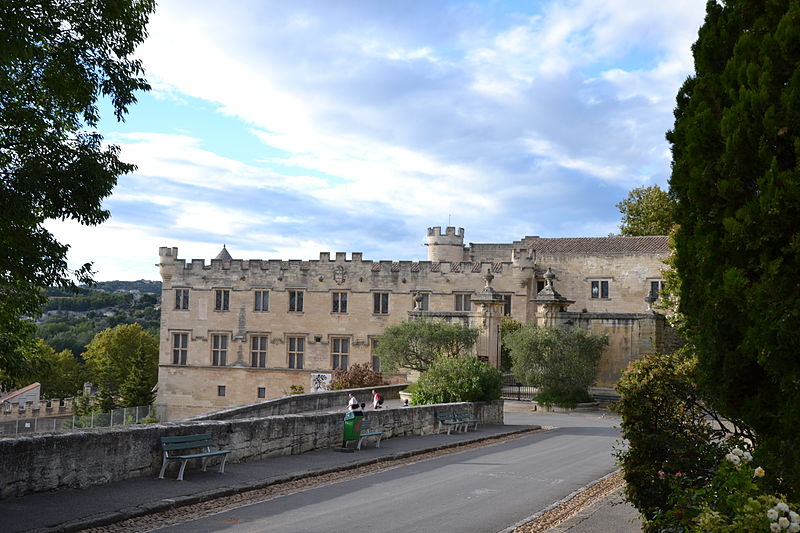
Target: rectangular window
{"type": "Point", "coordinates": [339, 302]}
{"type": "Point", "coordinates": [340, 353]}
{"type": "Point", "coordinates": [258, 350]}
{"type": "Point", "coordinates": [181, 298]}
{"type": "Point", "coordinates": [295, 351]}
{"type": "Point", "coordinates": [539, 286]}
{"type": "Point", "coordinates": [220, 390]}
{"type": "Point", "coordinates": [507, 305]}
{"type": "Point", "coordinates": [376, 361]}
{"type": "Point", "coordinates": [219, 350]}
{"type": "Point", "coordinates": [600, 289]}
{"type": "Point", "coordinates": [262, 301]}
{"type": "Point", "coordinates": [222, 300]}
{"type": "Point", "coordinates": [180, 348]}
{"type": "Point", "coordinates": [655, 288]}
{"type": "Point", "coordinates": [262, 392]}
{"type": "Point", "coordinates": [296, 301]}
{"type": "Point", "coordinates": [380, 303]}
{"type": "Point", "coordinates": [463, 302]}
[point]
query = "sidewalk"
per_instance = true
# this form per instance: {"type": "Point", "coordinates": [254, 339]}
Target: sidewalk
{"type": "Point", "coordinates": [609, 514]}
{"type": "Point", "coordinates": [73, 510]}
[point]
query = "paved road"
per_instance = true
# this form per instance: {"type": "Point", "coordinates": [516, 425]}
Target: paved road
{"type": "Point", "coordinates": [482, 490]}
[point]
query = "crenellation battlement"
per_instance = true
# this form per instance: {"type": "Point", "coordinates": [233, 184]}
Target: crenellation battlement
{"type": "Point", "coordinates": [323, 267]}
{"type": "Point", "coordinates": [450, 231]}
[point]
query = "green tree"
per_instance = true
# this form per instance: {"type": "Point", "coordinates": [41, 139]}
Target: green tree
{"type": "Point", "coordinates": [417, 344]}
{"type": "Point", "coordinates": [458, 379]}
{"type": "Point", "coordinates": [56, 59]}
{"type": "Point", "coordinates": [562, 363]}
{"type": "Point", "coordinates": [61, 375]}
{"type": "Point", "coordinates": [646, 211]}
{"type": "Point", "coordinates": [736, 178]}
{"type": "Point", "coordinates": [138, 386]}
{"type": "Point", "coordinates": [126, 354]}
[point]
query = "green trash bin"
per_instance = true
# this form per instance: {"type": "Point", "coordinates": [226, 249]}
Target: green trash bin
{"type": "Point", "coordinates": [352, 426]}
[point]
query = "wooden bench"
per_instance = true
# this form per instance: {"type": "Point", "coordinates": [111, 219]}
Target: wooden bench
{"type": "Point", "coordinates": [466, 419]}
{"type": "Point", "coordinates": [448, 419]}
{"type": "Point", "coordinates": [365, 432]}
{"type": "Point", "coordinates": [190, 442]}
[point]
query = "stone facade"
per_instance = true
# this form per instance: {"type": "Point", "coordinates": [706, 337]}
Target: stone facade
{"type": "Point", "coordinates": [234, 331]}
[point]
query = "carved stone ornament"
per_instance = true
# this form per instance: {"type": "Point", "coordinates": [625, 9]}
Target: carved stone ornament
{"type": "Point", "coordinates": [339, 275]}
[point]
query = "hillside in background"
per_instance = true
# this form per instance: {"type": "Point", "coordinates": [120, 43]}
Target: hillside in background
{"type": "Point", "coordinates": [70, 321]}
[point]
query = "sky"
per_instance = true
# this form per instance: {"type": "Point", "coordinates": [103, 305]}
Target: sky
{"type": "Point", "coordinates": [285, 129]}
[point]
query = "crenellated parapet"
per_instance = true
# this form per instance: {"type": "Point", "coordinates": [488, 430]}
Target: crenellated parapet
{"type": "Point", "coordinates": [329, 272]}
{"type": "Point", "coordinates": [43, 408]}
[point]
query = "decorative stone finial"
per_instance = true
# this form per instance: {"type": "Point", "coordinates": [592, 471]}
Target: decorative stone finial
{"type": "Point", "coordinates": [488, 277]}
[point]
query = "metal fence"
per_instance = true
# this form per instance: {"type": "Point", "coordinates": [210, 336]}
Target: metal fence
{"type": "Point", "coordinates": [118, 417]}
{"type": "Point", "coordinates": [514, 390]}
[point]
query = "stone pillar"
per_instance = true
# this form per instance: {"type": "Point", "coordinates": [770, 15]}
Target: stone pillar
{"type": "Point", "coordinates": [489, 315]}
{"type": "Point", "coordinates": [549, 302]}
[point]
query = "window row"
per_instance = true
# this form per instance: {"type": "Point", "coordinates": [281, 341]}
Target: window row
{"type": "Point", "coordinates": [380, 301]}
{"type": "Point", "coordinates": [261, 392]}
{"type": "Point", "coordinates": [600, 289]}
{"type": "Point", "coordinates": [295, 351]}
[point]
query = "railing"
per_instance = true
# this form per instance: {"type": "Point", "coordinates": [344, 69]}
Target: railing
{"type": "Point", "coordinates": [514, 390]}
{"type": "Point", "coordinates": [125, 416]}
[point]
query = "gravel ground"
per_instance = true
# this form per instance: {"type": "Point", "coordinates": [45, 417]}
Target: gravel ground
{"type": "Point", "coordinates": [541, 522]}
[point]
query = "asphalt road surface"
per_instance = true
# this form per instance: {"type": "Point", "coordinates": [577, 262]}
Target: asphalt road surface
{"type": "Point", "coordinates": [481, 490]}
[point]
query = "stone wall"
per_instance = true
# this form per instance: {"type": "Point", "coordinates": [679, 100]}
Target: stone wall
{"type": "Point", "coordinates": [630, 336]}
{"type": "Point", "coordinates": [300, 403]}
{"type": "Point", "coordinates": [96, 457]}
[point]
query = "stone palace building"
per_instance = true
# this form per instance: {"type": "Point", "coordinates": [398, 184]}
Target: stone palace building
{"type": "Point", "coordinates": [238, 331]}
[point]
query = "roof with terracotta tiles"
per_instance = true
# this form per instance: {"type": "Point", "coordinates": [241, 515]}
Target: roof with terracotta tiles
{"type": "Point", "coordinates": [598, 245]}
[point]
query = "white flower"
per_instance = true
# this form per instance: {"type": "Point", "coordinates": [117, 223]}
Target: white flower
{"type": "Point", "coordinates": [758, 472]}
{"type": "Point", "coordinates": [794, 517]}
{"type": "Point", "coordinates": [783, 522]}
{"type": "Point", "coordinates": [747, 457]}
{"type": "Point", "coordinates": [774, 527]}
{"type": "Point", "coordinates": [794, 527]}
{"type": "Point", "coordinates": [772, 514]}
{"type": "Point", "coordinates": [782, 507]}
{"type": "Point", "coordinates": [737, 451]}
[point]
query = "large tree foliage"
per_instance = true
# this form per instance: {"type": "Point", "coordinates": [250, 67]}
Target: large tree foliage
{"type": "Point", "coordinates": [736, 178]}
{"type": "Point", "coordinates": [417, 344]}
{"type": "Point", "coordinates": [646, 211]}
{"type": "Point", "coordinates": [60, 374]}
{"type": "Point", "coordinates": [56, 59]}
{"type": "Point", "coordinates": [562, 363]}
{"type": "Point", "coordinates": [123, 363]}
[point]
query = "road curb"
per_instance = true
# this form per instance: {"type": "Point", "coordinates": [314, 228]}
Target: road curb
{"type": "Point", "coordinates": [559, 503]}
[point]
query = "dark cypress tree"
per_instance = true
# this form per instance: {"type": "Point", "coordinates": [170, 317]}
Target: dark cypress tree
{"type": "Point", "coordinates": [736, 179]}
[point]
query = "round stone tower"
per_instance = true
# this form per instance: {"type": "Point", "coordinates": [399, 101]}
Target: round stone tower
{"type": "Point", "coordinates": [447, 246]}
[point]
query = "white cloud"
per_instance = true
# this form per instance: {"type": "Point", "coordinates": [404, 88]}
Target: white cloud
{"type": "Point", "coordinates": [401, 115]}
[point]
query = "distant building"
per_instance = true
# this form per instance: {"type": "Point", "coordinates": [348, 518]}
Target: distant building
{"type": "Point", "coordinates": [237, 331]}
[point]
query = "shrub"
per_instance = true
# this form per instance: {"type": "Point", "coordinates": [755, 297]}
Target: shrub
{"type": "Point", "coordinates": [460, 379]}
{"type": "Point", "coordinates": [296, 389]}
{"type": "Point", "coordinates": [562, 363]}
{"type": "Point", "coordinates": [356, 376]}
{"type": "Point", "coordinates": [734, 498]}
{"type": "Point", "coordinates": [665, 425]}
